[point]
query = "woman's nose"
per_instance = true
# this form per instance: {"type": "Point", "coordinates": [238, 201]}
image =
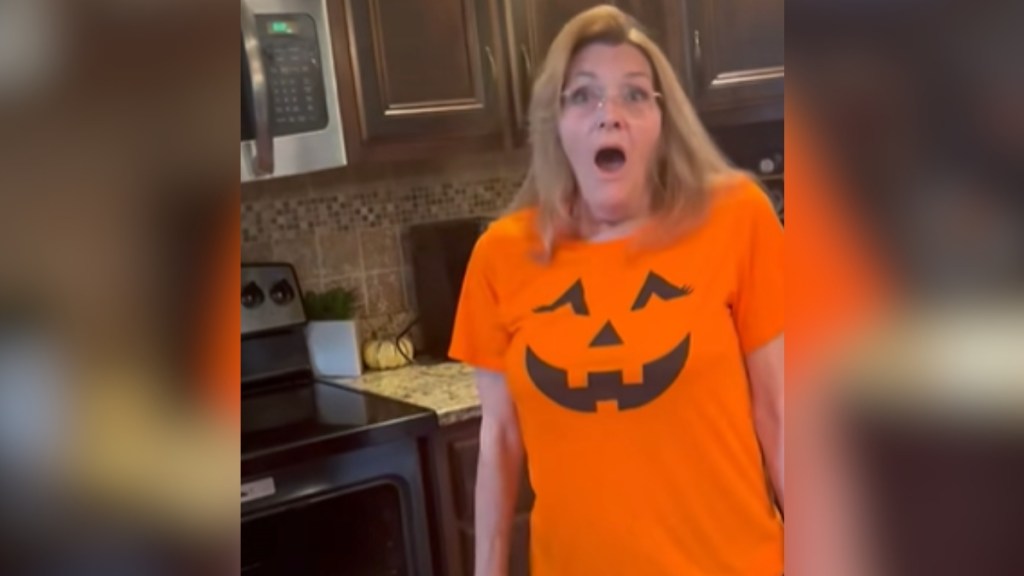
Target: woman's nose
{"type": "Point", "coordinates": [609, 114]}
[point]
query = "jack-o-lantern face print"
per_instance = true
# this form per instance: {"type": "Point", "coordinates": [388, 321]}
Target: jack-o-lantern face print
{"type": "Point", "coordinates": [659, 367]}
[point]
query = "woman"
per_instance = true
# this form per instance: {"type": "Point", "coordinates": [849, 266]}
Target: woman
{"type": "Point", "coordinates": [626, 323]}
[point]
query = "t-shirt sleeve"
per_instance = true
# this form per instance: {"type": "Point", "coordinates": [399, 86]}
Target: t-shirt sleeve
{"type": "Point", "coordinates": [759, 306]}
{"type": "Point", "coordinates": [479, 337]}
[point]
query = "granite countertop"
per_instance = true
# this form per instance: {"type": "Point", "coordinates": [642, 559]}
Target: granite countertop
{"type": "Point", "coordinates": [447, 388]}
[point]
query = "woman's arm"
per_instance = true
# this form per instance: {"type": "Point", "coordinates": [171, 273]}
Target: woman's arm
{"type": "Point", "coordinates": [498, 473]}
{"type": "Point", "coordinates": [766, 369]}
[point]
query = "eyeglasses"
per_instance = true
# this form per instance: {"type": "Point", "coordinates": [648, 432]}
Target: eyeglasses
{"type": "Point", "coordinates": [588, 99]}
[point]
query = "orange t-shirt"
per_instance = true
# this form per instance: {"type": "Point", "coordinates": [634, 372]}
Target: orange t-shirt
{"type": "Point", "coordinates": [627, 371]}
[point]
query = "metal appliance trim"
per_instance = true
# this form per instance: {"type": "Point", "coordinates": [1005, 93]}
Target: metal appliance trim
{"type": "Point", "coordinates": [309, 151]}
{"type": "Point", "coordinates": [262, 155]}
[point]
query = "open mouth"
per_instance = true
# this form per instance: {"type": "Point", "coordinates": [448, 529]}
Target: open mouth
{"type": "Point", "coordinates": [610, 159]}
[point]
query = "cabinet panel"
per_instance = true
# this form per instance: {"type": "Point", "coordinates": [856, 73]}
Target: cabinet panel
{"type": "Point", "coordinates": [424, 71]}
{"type": "Point", "coordinates": [750, 32]}
{"type": "Point", "coordinates": [402, 45]}
{"type": "Point", "coordinates": [655, 17]}
{"type": "Point", "coordinates": [737, 50]}
{"type": "Point", "coordinates": [544, 20]}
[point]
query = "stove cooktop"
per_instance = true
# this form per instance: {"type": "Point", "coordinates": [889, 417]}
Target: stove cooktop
{"type": "Point", "coordinates": [289, 416]}
{"type": "Point", "coordinates": [296, 421]}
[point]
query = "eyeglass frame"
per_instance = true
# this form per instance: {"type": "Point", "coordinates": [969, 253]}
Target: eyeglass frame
{"type": "Point", "coordinates": [603, 99]}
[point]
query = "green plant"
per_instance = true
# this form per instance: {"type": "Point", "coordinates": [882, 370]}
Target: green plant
{"type": "Point", "coordinates": [334, 304]}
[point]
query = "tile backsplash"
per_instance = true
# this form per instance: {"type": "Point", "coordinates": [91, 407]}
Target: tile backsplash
{"type": "Point", "coordinates": [340, 231]}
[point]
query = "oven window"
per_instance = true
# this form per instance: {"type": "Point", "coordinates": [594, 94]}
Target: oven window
{"type": "Point", "coordinates": [359, 533]}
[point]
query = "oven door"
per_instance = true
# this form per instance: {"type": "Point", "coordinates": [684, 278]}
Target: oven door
{"type": "Point", "coordinates": [291, 122]}
{"type": "Point", "coordinates": [359, 513]}
{"type": "Point", "coordinates": [353, 533]}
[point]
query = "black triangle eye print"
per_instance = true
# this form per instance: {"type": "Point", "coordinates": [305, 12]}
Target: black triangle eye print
{"type": "Point", "coordinates": [573, 297]}
{"type": "Point", "coordinates": [655, 285]}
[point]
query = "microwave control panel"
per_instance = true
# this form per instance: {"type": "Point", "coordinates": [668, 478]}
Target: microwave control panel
{"type": "Point", "coordinates": [295, 79]}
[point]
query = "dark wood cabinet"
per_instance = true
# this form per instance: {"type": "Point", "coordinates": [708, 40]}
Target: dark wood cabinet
{"type": "Point", "coordinates": [734, 59]}
{"type": "Point", "coordinates": [455, 452]}
{"type": "Point", "coordinates": [420, 75]}
{"type": "Point", "coordinates": [424, 79]}
{"type": "Point", "coordinates": [533, 24]}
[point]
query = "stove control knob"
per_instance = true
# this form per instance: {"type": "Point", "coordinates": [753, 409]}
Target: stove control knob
{"type": "Point", "coordinates": [282, 292]}
{"type": "Point", "coordinates": [252, 296]}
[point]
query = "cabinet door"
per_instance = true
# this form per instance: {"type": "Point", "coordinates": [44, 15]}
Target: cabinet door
{"type": "Point", "coordinates": [534, 24]}
{"type": "Point", "coordinates": [737, 58]}
{"type": "Point", "coordinates": [425, 74]}
{"type": "Point", "coordinates": [656, 17]}
{"type": "Point", "coordinates": [544, 20]}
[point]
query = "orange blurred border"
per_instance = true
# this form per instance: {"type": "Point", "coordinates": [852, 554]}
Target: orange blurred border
{"type": "Point", "coordinates": [220, 347]}
{"type": "Point", "coordinates": [834, 280]}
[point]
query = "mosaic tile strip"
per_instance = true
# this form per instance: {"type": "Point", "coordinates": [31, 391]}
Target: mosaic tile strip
{"type": "Point", "coordinates": [389, 203]}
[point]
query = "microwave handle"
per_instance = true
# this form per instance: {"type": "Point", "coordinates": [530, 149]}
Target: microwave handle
{"type": "Point", "coordinates": [264, 160]}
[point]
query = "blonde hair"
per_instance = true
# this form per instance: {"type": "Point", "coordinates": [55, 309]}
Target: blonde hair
{"type": "Point", "coordinates": [687, 165]}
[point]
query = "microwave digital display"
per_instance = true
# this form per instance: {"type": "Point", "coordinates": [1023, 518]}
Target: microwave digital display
{"type": "Point", "coordinates": [281, 27]}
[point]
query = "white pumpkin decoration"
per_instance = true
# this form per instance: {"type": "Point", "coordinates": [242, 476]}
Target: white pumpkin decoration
{"type": "Point", "coordinates": [385, 354]}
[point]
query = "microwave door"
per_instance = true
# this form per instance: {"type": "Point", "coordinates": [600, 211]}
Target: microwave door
{"type": "Point", "coordinates": [258, 153]}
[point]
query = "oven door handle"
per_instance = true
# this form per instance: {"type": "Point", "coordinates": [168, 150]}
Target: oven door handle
{"type": "Point", "coordinates": [264, 156]}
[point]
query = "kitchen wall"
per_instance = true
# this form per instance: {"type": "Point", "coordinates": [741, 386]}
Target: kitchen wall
{"type": "Point", "coordinates": [345, 229]}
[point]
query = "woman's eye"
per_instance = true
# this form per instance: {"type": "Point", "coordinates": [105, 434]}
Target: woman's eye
{"type": "Point", "coordinates": [580, 96]}
{"type": "Point", "coordinates": [637, 95]}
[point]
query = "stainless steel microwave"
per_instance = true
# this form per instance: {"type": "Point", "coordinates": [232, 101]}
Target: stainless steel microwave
{"type": "Point", "coordinates": [291, 121]}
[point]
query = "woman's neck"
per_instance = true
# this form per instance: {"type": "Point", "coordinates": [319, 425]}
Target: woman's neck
{"type": "Point", "coordinates": [594, 229]}
{"type": "Point", "coordinates": [607, 231]}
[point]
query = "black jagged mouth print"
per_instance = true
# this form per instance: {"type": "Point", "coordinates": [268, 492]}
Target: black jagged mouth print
{"type": "Point", "coordinates": [658, 376]}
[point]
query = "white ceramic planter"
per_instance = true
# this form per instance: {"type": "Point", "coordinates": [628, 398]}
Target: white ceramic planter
{"type": "Point", "coordinates": [334, 348]}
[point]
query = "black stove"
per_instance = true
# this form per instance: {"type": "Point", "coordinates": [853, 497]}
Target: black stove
{"type": "Point", "coordinates": [288, 415]}
{"type": "Point", "coordinates": [304, 419]}
{"type": "Point", "coordinates": [332, 476]}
